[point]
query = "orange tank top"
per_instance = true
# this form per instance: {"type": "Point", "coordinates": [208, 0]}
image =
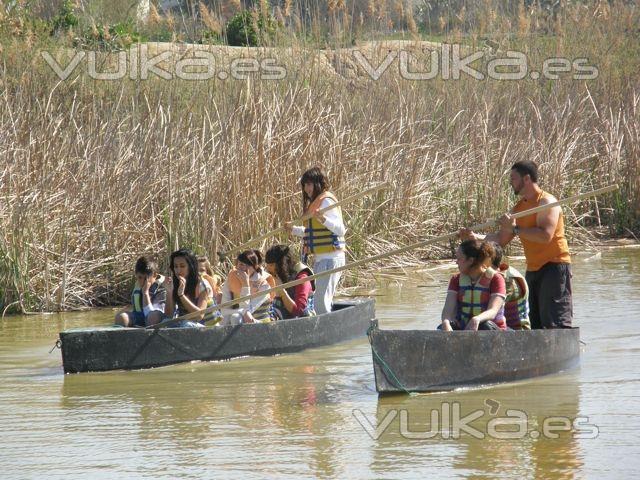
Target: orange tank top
{"type": "Point", "coordinates": [539, 254]}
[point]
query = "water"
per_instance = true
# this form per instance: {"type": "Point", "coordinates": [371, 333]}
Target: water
{"type": "Point", "coordinates": [302, 415]}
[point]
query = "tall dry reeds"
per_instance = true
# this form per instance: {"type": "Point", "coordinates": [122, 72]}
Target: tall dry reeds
{"type": "Point", "coordinates": [95, 173]}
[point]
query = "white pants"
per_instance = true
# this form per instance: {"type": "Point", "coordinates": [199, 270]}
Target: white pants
{"type": "Point", "coordinates": [232, 318]}
{"type": "Point", "coordinates": [326, 286]}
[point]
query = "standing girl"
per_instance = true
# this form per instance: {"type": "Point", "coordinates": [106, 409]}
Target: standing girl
{"type": "Point", "coordinates": [323, 235]}
{"type": "Point", "coordinates": [187, 291]}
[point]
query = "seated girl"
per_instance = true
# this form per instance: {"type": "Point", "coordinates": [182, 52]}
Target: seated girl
{"type": "Point", "coordinates": [206, 272]}
{"type": "Point", "coordinates": [475, 298]}
{"type": "Point", "coordinates": [248, 277]}
{"type": "Point", "coordinates": [296, 301]}
{"type": "Point", "coordinates": [516, 304]}
{"type": "Point", "coordinates": [147, 298]}
{"type": "Point", "coordinates": [188, 291]}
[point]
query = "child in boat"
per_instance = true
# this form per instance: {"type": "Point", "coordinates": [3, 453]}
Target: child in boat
{"type": "Point", "coordinates": [475, 298]}
{"type": "Point", "coordinates": [248, 277]}
{"type": "Point", "coordinates": [147, 298]}
{"type": "Point", "coordinates": [188, 291]}
{"type": "Point", "coordinates": [516, 304]}
{"type": "Point", "coordinates": [323, 235]}
{"type": "Point", "coordinates": [296, 301]}
{"type": "Point", "coordinates": [206, 271]}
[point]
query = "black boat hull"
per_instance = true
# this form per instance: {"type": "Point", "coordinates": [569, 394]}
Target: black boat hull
{"type": "Point", "coordinates": [100, 349]}
{"type": "Point", "coordinates": [428, 361]}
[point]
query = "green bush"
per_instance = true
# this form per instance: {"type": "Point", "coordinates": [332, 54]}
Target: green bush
{"type": "Point", "coordinates": [209, 37]}
{"type": "Point", "coordinates": [251, 28]}
{"type": "Point", "coordinates": [126, 32]}
{"type": "Point", "coordinates": [110, 37]}
{"type": "Point", "coordinates": [66, 19]}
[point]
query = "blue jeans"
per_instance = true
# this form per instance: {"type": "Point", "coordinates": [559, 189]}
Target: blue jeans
{"type": "Point", "coordinates": [187, 324]}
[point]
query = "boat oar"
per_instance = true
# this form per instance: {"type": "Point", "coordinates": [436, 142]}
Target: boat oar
{"type": "Point", "coordinates": [307, 216]}
{"type": "Point", "coordinates": [442, 238]}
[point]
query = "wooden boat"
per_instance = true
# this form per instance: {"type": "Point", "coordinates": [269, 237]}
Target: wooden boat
{"type": "Point", "coordinates": [431, 360]}
{"type": "Point", "coordinates": [117, 348]}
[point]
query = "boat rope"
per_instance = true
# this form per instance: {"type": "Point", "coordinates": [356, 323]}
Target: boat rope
{"type": "Point", "coordinates": [386, 368]}
{"type": "Point", "coordinates": [58, 344]}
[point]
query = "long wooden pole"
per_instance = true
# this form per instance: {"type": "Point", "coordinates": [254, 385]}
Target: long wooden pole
{"type": "Point", "coordinates": [398, 251]}
{"type": "Point", "coordinates": [306, 216]}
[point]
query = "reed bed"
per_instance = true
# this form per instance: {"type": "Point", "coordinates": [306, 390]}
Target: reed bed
{"type": "Point", "coordinates": [96, 173]}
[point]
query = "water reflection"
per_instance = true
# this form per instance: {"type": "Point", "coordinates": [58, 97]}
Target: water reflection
{"type": "Point", "coordinates": [253, 405]}
{"type": "Point", "coordinates": [529, 455]}
{"type": "Point", "coordinates": [292, 416]}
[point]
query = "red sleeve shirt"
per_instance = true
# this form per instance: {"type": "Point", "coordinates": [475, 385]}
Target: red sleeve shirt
{"type": "Point", "coordinates": [301, 295]}
{"type": "Point", "coordinates": [496, 287]}
{"type": "Point", "coordinates": [454, 283]}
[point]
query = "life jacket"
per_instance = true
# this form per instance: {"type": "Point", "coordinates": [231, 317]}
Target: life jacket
{"type": "Point", "coordinates": [516, 305]}
{"type": "Point", "coordinates": [539, 254]}
{"type": "Point", "coordinates": [473, 299]}
{"type": "Point", "coordinates": [136, 295]}
{"type": "Point", "coordinates": [214, 281]}
{"type": "Point", "coordinates": [317, 237]}
{"type": "Point", "coordinates": [210, 315]}
{"type": "Point", "coordinates": [210, 303]}
{"type": "Point", "coordinates": [263, 312]}
{"type": "Point", "coordinates": [280, 310]}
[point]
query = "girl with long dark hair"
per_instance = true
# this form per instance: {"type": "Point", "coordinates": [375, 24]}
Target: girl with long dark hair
{"type": "Point", "coordinates": [323, 235]}
{"type": "Point", "coordinates": [188, 291]}
{"type": "Point", "coordinates": [296, 301]}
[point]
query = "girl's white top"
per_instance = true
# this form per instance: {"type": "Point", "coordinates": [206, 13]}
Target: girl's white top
{"type": "Point", "coordinates": [333, 221]}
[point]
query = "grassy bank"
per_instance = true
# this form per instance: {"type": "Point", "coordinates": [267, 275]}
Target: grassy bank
{"type": "Point", "coordinates": [94, 173]}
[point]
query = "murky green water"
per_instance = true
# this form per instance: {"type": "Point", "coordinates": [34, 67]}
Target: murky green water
{"type": "Point", "coordinates": [314, 414]}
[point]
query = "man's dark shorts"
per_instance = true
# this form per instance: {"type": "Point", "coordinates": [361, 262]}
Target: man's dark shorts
{"type": "Point", "coordinates": [550, 299]}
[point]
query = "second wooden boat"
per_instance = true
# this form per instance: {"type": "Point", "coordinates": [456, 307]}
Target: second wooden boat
{"type": "Point", "coordinates": [431, 360]}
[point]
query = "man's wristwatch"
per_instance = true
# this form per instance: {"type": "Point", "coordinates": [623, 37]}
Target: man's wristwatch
{"type": "Point", "coordinates": [516, 230]}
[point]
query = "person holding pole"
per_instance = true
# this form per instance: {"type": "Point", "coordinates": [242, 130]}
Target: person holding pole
{"type": "Point", "coordinates": [398, 251]}
{"type": "Point", "coordinates": [545, 249]}
{"type": "Point", "coordinates": [323, 235]}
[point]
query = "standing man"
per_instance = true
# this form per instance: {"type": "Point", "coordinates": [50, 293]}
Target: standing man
{"type": "Point", "coordinates": [545, 249]}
